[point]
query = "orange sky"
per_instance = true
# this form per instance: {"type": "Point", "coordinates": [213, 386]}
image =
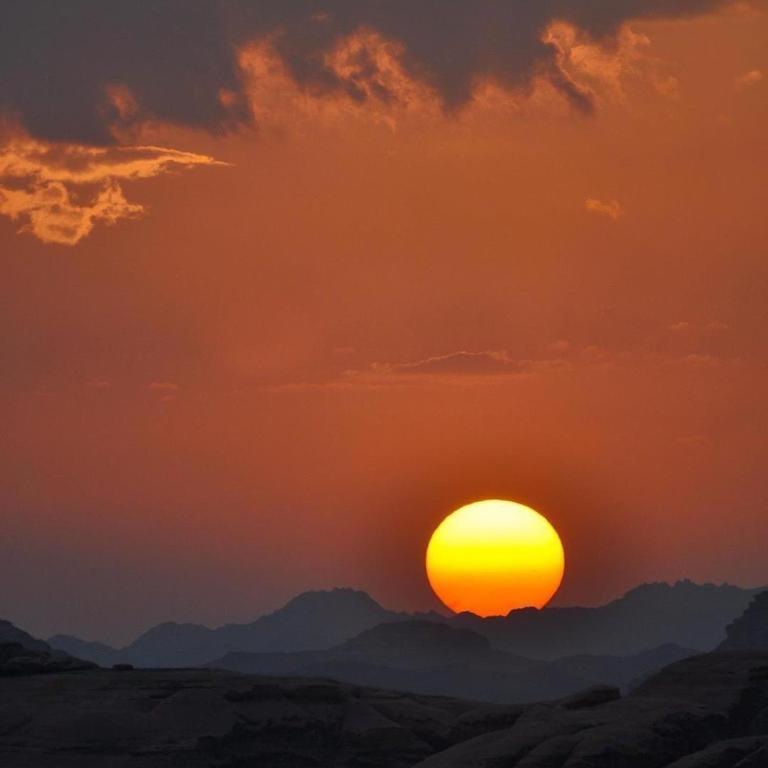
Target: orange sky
{"type": "Point", "coordinates": [285, 369]}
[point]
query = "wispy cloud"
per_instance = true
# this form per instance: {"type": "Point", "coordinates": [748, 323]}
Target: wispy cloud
{"type": "Point", "coordinates": [610, 208]}
{"type": "Point", "coordinates": [749, 79]}
{"type": "Point", "coordinates": [461, 368]}
{"type": "Point", "coordinates": [164, 386]}
{"type": "Point", "coordinates": [457, 363]}
{"type": "Point", "coordinates": [59, 193]}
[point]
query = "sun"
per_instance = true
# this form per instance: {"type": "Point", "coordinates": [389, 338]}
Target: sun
{"type": "Point", "coordinates": [494, 556]}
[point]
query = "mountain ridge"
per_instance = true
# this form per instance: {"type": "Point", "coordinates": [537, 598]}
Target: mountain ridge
{"type": "Point", "coordinates": [437, 659]}
{"type": "Point", "coordinates": [648, 616]}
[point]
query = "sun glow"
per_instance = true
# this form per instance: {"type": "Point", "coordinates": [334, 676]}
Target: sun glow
{"type": "Point", "coordinates": [494, 556]}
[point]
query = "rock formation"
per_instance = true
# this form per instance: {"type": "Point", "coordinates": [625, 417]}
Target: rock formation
{"type": "Point", "coordinates": [21, 654]}
{"type": "Point", "coordinates": [438, 659]}
{"type": "Point", "coordinates": [710, 710]}
{"type": "Point", "coordinates": [750, 630]}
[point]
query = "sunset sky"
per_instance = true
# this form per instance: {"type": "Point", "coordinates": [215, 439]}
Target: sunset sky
{"type": "Point", "coordinates": [284, 283]}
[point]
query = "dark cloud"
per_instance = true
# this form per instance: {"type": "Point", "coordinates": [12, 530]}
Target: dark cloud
{"type": "Point", "coordinates": [61, 62]}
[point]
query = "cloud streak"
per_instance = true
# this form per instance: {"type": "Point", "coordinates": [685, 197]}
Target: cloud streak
{"type": "Point", "coordinates": [460, 363]}
{"type": "Point", "coordinates": [59, 193]}
{"type": "Point", "coordinates": [749, 79]}
{"type": "Point", "coordinates": [610, 208]}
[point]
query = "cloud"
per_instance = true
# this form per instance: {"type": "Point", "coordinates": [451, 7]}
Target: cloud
{"type": "Point", "coordinates": [460, 363]}
{"type": "Point", "coordinates": [166, 390]}
{"type": "Point", "coordinates": [59, 193]}
{"type": "Point", "coordinates": [460, 368]}
{"type": "Point", "coordinates": [89, 72]}
{"type": "Point", "coordinates": [748, 79]}
{"type": "Point", "coordinates": [610, 208]}
{"type": "Point", "coordinates": [164, 386]}
{"type": "Point", "coordinates": [465, 368]}
{"type": "Point", "coordinates": [701, 360]}
{"type": "Point", "coordinates": [49, 212]}
{"type": "Point", "coordinates": [683, 326]}
{"type": "Point", "coordinates": [23, 159]}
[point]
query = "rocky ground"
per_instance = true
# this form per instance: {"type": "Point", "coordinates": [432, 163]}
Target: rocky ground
{"type": "Point", "coordinates": [709, 711]}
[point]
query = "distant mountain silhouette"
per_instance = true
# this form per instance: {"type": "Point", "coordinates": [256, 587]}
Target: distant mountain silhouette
{"type": "Point", "coordinates": [750, 630]}
{"type": "Point", "coordinates": [312, 620]}
{"type": "Point", "coordinates": [437, 659]}
{"type": "Point", "coordinates": [99, 653]}
{"type": "Point", "coordinates": [9, 633]}
{"type": "Point", "coordinates": [21, 654]}
{"type": "Point", "coordinates": [415, 643]}
{"type": "Point", "coordinates": [685, 614]}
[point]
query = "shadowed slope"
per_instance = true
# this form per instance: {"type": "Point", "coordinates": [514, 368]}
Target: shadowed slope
{"type": "Point", "coordinates": [715, 704]}
{"type": "Point", "coordinates": [685, 614]}
{"type": "Point", "coordinates": [430, 658]}
{"type": "Point", "coordinates": [750, 630]}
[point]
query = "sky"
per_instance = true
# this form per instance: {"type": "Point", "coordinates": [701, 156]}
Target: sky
{"type": "Point", "coordinates": [283, 284]}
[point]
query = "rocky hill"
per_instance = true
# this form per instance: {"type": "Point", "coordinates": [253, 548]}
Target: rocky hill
{"type": "Point", "coordinates": [750, 630]}
{"type": "Point", "coordinates": [22, 654]}
{"type": "Point", "coordinates": [685, 614]}
{"type": "Point", "coordinates": [711, 710]}
{"type": "Point", "coordinates": [652, 615]}
{"type": "Point", "coordinates": [429, 658]}
{"type": "Point", "coordinates": [312, 620]}
{"type": "Point", "coordinates": [10, 633]}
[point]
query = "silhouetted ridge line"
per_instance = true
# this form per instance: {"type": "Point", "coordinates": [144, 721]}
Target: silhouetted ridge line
{"type": "Point", "coordinates": [685, 614]}
{"type": "Point", "coordinates": [438, 659]}
{"type": "Point", "coordinates": [21, 655]}
{"type": "Point", "coordinates": [750, 630]}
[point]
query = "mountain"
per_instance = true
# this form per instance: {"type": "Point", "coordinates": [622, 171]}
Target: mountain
{"type": "Point", "coordinates": [312, 620]}
{"type": "Point", "coordinates": [437, 659]}
{"type": "Point", "coordinates": [707, 711]}
{"type": "Point", "coordinates": [99, 653]}
{"type": "Point", "coordinates": [174, 645]}
{"type": "Point", "coordinates": [750, 630]}
{"type": "Point", "coordinates": [22, 654]}
{"type": "Point", "coordinates": [684, 614]}
{"type": "Point", "coordinates": [9, 633]}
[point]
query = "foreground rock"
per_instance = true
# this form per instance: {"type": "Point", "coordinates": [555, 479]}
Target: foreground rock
{"type": "Point", "coordinates": [211, 718]}
{"type": "Point", "coordinates": [710, 711]}
{"type": "Point", "coordinates": [705, 712]}
{"type": "Point", "coordinates": [15, 660]}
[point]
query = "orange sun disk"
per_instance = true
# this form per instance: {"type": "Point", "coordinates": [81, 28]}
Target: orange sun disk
{"type": "Point", "coordinates": [495, 556]}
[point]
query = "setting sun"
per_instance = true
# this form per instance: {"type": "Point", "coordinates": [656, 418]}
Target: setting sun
{"type": "Point", "coordinates": [494, 556]}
